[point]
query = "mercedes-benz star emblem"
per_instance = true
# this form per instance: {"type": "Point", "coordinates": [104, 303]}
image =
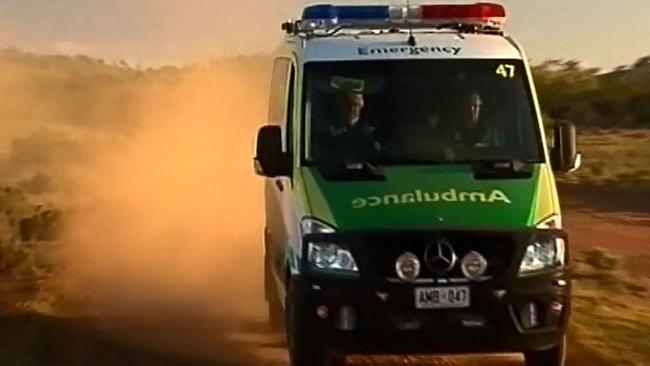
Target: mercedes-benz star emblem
{"type": "Point", "coordinates": [440, 257]}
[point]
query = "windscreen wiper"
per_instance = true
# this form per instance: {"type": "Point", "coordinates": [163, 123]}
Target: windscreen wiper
{"type": "Point", "coordinates": [358, 170]}
{"type": "Point", "coordinates": [418, 161]}
{"type": "Point", "coordinates": [502, 169]}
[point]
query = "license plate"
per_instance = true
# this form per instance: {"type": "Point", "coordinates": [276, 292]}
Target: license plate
{"type": "Point", "coordinates": [442, 297]}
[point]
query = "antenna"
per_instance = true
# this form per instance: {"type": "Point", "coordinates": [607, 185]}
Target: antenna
{"type": "Point", "coordinates": [411, 41]}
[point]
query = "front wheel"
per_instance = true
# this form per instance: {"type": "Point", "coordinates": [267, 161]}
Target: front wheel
{"type": "Point", "coordinates": [555, 356]}
{"type": "Point", "coordinates": [273, 305]}
{"type": "Point", "coordinates": [303, 349]}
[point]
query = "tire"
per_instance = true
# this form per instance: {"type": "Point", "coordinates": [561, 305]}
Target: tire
{"type": "Point", "coordinates": [274, 308]}
{"type": "Point", "coordinates": [555, 356]}
{"type": "Point", "coordinates": [303, 349]}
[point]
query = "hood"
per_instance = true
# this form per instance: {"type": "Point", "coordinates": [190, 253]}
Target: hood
{"type": "Point", "coordinates": [431, 197]}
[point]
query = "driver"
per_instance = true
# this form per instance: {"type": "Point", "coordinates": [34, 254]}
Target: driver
{"type": "Point", "coordinates": [349, 136]}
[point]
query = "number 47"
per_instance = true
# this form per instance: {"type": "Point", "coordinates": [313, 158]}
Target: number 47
{"type": "Point", "coordinates": [506, 71]}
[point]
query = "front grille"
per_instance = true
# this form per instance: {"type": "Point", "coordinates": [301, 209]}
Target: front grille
{"type": "Point", "coordinates": [382, 251]}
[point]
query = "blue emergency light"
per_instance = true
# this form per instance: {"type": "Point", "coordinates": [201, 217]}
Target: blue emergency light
{"type": "Point", "coordinates": [331, 12]}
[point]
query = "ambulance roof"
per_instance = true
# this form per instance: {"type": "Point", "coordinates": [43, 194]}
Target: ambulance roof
{"type": "Point", "coordinates": [328, 32]}
{"type": "Point", "coordinates": [357, 46]}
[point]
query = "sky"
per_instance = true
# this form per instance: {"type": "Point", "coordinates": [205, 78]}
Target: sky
{"type": "Point", "coordinates": [601, 33]}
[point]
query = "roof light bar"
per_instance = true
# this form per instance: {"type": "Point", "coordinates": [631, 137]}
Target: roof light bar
{"type": "Point", "coordinates": [325, 16]}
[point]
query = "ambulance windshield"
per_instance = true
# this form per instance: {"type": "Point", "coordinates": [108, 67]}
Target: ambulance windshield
{"type": "Point", "coordinates": [417, 111]}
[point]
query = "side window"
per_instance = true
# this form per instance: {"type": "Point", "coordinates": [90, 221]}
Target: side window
{"type": "Point", "coordinates": [278, 95]}
{"type": "Point", "coordinates": [288, 129]}
{"type": "Point", "coordinates": [281, 98]}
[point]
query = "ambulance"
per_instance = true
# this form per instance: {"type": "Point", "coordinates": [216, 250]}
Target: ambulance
{"type": "Point", "coordinates": [410, 196]}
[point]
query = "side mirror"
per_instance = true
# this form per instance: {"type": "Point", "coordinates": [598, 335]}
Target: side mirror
{"type": "Point", "coordinates": [564, 155]}
{"type": "Point", "coordinates": [270, 161]}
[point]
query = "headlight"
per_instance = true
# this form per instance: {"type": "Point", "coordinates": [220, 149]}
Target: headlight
{"type": "Point", "coordinates": [546, 253]}
{"type": "Point", "coordinates": [310, 225]}
{"type": "Point", "coordinates": [331, 257]}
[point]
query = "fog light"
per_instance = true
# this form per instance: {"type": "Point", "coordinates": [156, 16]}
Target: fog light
{"type": "Point", "coordinates": [474, 265]}
{"type": "Point", "coordinates": [474, 322]}
{"type": "Point", "coordinates": [407, 267]}
{"type": "Point", "coordinates": [323, 312]}
{"type": "Point", "coordinates": [347, 318]}
{"type": "Point", "coordinates": [407, 322]}
{"type": "Point", "coordinates": [556, 308]}
{"type": "Point", "coordinates": [529, 315]}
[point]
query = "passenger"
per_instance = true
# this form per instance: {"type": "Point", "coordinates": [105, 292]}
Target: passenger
{"type": "Point", "coordinates": [470, 127]}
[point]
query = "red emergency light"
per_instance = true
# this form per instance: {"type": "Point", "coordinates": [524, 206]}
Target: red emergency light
{"type": "Point", "coordinates": [471, 11]}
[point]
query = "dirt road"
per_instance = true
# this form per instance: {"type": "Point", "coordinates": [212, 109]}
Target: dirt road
{"type": "Point", "coordinates": [36, 340]}
{"type": "Point", "coordinates": [184, 337]}
{"type": "Point", "coordinates": [604, 217]}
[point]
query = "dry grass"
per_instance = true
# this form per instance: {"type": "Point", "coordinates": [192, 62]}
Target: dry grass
{"type": "Point", "coordinates": [611, 317]}
{"type": "Point", "coordinates": [614, 157]}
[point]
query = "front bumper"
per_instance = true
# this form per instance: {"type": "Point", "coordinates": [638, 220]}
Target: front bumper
{"type": "Point", "coordinates": [380, 317]}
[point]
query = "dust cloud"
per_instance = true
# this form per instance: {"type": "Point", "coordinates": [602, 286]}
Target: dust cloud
{"type": "Point", "coordinates": [163, 214]}
{"type": "Point", "coordinates": [170, 234]}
